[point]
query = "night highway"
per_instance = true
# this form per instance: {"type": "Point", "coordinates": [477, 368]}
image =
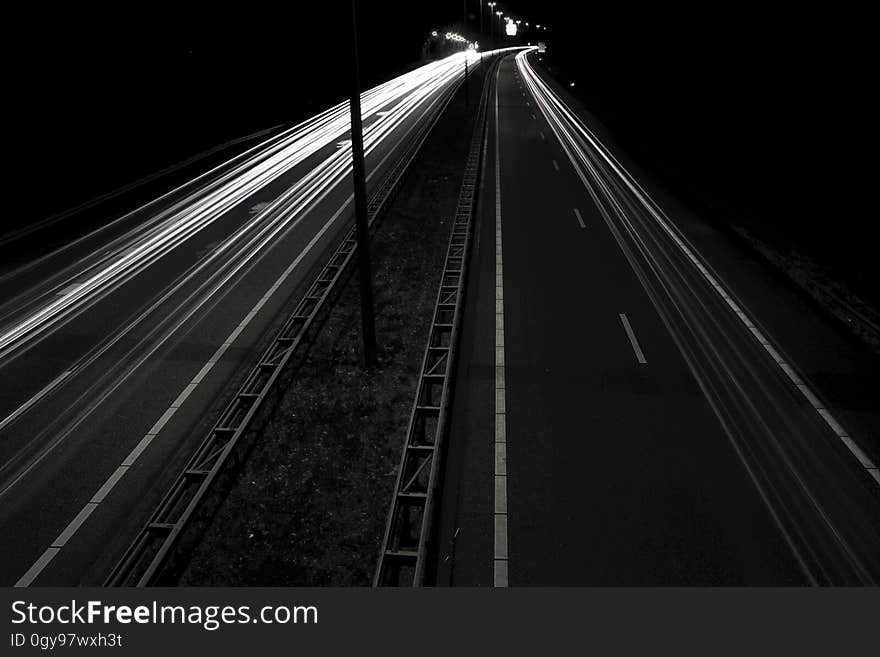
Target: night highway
{"type": "Point", "coordinates": [468, 294]}
{"type": "Point", "coordinates": [109, 335]}
{"type": "Point", "coordinates": [646, 430]}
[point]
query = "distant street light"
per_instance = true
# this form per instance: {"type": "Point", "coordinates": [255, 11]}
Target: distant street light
{"type": "Point", "coordinates": [491, 20]}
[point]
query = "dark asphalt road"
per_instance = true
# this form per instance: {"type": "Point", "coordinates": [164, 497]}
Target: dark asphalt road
{"type": "Point", "coordinates": [650, 437]}
{"type": "Point", "coordinates": [131, 352]}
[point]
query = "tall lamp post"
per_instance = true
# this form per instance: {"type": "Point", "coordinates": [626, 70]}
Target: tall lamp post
{"type": "Point", "coordinates": [362, 228]}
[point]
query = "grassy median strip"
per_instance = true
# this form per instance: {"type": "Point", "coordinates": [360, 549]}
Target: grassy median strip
{"type": "Point", "coordinates": [309, 505]}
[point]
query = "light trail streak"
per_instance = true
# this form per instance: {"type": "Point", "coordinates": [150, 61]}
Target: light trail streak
{"type": "Point", "coordinates": [395, 110]}
{"type": "Point", "coordinates": [757, 397]}
{"type": "Point", "coordinates": [84, 284]}
{"type": "Point", "coordinates": [389, 104]}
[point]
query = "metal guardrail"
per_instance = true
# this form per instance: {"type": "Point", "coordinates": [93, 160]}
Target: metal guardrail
{"type": "Point", "coordinates": [402, 559]}
{"type": "Point", "coordinates": [143, 561]}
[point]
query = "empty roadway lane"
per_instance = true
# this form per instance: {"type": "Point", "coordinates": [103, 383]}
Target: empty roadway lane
{"type": "Point", "coordinates": [620, 417]}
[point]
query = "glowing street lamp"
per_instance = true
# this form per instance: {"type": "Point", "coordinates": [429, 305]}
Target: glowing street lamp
{"type": "Point", "coordinates": [491, 21]}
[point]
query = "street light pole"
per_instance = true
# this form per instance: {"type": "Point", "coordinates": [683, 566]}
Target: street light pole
{"type": "Point", "coordinates": [491, 26]}
{"type": "Point", "coordinates": [466, 100]}
{"type": "Point", "coordinates": [492, 21]}
{"type": "Point", "coordinates": [362, 228]}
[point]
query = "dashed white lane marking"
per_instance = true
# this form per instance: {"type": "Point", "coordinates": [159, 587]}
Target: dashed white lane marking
{"type": "Point", "coordinates": [38, 566]}
{"type": "Point", "coordinates": [632, 338]}
{"type": "Point", "coordinates": [75, 524]}
{"type": "Point", "coordinates": [534, 118]}
{"type": "Point", "coordinates": [50, 553]}
{"type": "Point", "coordinates": [543, 136]}
{"type": "Point", "coordinates": [43, 560]}
{"type": "Point", "coordinates": [33, 400]}
{"type": "Point", "coordinates": [500, 509]}
{"type": "Point", "coordinates": [667, 225]}
{"type": "Point", "coordinates": [555, 165]}
{"type": "Point", "coordinates": [577, 213]}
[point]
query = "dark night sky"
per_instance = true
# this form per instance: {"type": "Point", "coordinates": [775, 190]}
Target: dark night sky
{"type": "Point", "coordinates": [760, 110]}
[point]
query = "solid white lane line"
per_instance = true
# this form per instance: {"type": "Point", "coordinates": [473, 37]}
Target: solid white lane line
{"type": "Point", "coordinates": [632, 338]}
{"type": "Point", "coordinates": [500, 506]}
{"type": "Point", "coordinates": [577, 213]}
{"type": "Point", "coordinates": [44, 559]}
{"type": "Point", "coordinates": [33, 400]}
{"type": "Point", "coordinates": [555, 165]}
{"type": "Point", "coordinates": [501, 459]}
{"type": "Point", "coordinates": [667, 225]}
